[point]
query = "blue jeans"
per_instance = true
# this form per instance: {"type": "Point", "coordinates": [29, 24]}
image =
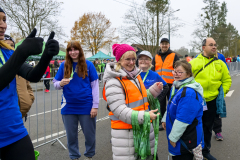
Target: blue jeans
{"type": "Point", "coordinates": [88, 126]}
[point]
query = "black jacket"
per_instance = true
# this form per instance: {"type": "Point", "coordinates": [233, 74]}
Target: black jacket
{"type": "Point", "coordinates": [137, 53]}
{"type": "Point", "coordinates": [163, 56]}
{"type": "Point", "coordinates": [56, 64]}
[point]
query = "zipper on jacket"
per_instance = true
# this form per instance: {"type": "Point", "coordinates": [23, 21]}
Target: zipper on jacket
{"type": "Point", "coordinates": [162, 65]}
{"type": "Point", "coordinates": [209, 73]}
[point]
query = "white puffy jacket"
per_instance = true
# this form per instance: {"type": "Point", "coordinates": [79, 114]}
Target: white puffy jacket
{"type": "Point", "coordinates": [122, 140]}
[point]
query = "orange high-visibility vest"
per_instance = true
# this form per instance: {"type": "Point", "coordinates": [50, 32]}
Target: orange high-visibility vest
{"type": "Point", "coordinates": [133, 98]}
{"type": "Point", "coordinates": [164, 69]}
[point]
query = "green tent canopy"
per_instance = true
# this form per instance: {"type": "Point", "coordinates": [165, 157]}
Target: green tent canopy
{"type": "Point", "coordinates": [61, 54]}
{"type": "Point", "coordinates": [100, 55]}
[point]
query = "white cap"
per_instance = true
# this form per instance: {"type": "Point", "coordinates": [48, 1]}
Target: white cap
{"type": "Point", "coordinates": [145, 53]}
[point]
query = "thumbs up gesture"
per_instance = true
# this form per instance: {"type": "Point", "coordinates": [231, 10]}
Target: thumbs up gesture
{"type": "Point", "coordinates": [31, 45]}
{"type": "Point", "coordinates": [52, 46]}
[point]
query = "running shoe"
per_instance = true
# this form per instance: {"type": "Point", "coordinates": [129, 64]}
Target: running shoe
{"type": "Point", "coordinates": [208, 156]}
{"type": "Point", "coordinates": [219, 137]}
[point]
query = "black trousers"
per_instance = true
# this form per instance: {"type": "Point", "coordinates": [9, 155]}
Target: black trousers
{"type": "Point", "coordinates": [20, 150]}
{"type": "Point", "coordinates": [208, 120]}
{"type": "Point", "coordinates": [187, 156]}
{"type": "Point", "coordinates": [163, 102]}
{"type": "Point", "coordinates": [217, 125]}
{"type": "Point", "coordinates": [46, 83]}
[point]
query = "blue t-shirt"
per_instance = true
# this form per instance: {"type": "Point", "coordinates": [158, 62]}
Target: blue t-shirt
{"type": "Point", "coordinates": [11, 124]}
{"type": "Point", "coordinates": [238, 59]}
{"type": "Point", "coordinates": [152, 77]}
{"type": "Point", "coordinates": [221, 57]}
{"type": "Point", "coordinates": [77, 95]}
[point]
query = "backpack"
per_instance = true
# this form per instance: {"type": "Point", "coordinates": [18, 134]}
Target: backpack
{"type": "Point", "coordinates": [25, 95]}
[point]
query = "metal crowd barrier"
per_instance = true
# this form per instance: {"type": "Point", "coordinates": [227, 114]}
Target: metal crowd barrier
{"type": "Point", "coordinates": [44, 122]}
{"type": "Point", "coordinates": [234, 68]}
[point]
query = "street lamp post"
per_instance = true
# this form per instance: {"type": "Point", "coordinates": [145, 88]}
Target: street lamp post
{"type": "Point", "coordinates": [169, 24]}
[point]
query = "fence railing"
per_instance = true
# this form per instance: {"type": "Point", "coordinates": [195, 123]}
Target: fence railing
{"type": "Point", "coordinates": [234, 67]}
{"type": "Point", "coordinates": [44, 121]}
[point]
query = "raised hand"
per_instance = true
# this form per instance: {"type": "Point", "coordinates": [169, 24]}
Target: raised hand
{"type": "Point", "coordinates": [31, 45]}
{"type": "Point", "coordinates": [52, 46]}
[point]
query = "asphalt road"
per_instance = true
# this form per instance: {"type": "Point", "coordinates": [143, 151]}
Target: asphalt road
{"type": "Point", "coordinates": [227, 149]}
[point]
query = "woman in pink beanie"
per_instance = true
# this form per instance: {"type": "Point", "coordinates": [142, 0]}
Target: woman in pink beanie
{"type": "Point", "coordinates": [124, 92]}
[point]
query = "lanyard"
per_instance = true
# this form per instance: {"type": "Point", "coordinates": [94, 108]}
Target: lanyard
{"type": "Point", "coordinates": [2, 60]}
{"type": "Point", "coordinates": [145, 76]}
{"type": "Point", "coordinates": [73, 72]}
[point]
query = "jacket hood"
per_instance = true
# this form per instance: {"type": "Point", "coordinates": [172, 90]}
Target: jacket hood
{"type": "Point", "coordinates": [110, 72]}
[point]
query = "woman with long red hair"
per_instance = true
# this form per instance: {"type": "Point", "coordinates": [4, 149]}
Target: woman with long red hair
{"type": "Point", "coordinates": [79, 80]}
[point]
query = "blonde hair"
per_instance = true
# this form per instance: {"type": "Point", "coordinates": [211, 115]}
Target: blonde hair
{"type": "Point", "coordinates": [5, 45]}
{"type": "Point", "coordinates": [128, 53]}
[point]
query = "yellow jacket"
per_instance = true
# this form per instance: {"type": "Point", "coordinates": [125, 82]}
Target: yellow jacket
{"type": "Point", "coordinates": [211, 77]}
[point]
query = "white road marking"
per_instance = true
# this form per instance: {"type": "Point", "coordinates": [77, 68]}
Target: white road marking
{"type": "Point", "coordinates": [33, 115]}
{"type": "Point", "coordinates": [63, 132]}
{"type": "Point", "coordinates": [238, 75]}
{"type": "Point", "coordinates": [229, 94]}
{"type": "Point", "coordinates": [49, 136]}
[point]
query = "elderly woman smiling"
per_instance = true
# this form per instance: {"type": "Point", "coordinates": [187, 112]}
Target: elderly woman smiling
{"type": "Point", "coordinates": [148, 76]}
{"type": "Point", "coordinates": [126, 94]}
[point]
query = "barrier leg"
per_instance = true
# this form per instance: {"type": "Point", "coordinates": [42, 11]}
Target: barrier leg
{"type": "Point", "coordinates": [57, 139]}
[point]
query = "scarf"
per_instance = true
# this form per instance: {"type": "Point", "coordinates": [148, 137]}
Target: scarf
{"type": "Point", "coordinates": [3, 44]}
{"type": "Point", "coordinates": [131, 74]}
{"type": "Point", "coordinates": [191, 83]}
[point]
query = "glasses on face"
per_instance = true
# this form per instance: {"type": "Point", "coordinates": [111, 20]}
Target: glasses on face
{"type": "Point", "coordinates": [130, 59]}
{"type": "Point", "coordinates": [211, 45]}
{"type": "Point", "coordinates": [178, 73]}
{"type": "Point", "coordinates": [145, 60]}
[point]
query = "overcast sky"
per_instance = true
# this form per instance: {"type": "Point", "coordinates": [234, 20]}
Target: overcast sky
{"type": "Point", "coordinates": [189, 10]}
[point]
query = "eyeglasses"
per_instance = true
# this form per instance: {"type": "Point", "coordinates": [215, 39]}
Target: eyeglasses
{"type": "Point", "coordinates": [145, 60]}
{"type": "Point", "coordinates": [211, 45]}
{"type": "Point", "coordinates": [130, 59]}
{"type": "Point", "coordinates": [178, 73]}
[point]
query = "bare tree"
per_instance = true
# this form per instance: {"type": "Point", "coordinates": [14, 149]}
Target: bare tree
{"type": "Point", "coordinates": [140, 27]}
{"type": "Point", "coordinates": [16, 36]}
{"type": "Point", "coordinates": [25, 15]}
{"type": "Point", "coordinates": [199, 34]}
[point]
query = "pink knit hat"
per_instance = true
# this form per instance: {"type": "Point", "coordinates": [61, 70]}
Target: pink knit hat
{"type": "Point", "coordinates": [120, 49]}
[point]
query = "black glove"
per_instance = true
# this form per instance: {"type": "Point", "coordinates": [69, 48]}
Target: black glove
{"type": "Point", "coordinates": [31, 45]}
{"type": "Point", "coordinates": [52, 46]}
{"type": "Point", "coordinates": [36, 73]}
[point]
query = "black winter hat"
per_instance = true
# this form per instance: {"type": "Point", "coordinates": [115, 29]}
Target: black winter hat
{"type": "Point", "coordinates": [1, 10]}
{"type": "Point", "coordinates": [7, 37]}
{"type": "Point", "coordinates": [164, 40]}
